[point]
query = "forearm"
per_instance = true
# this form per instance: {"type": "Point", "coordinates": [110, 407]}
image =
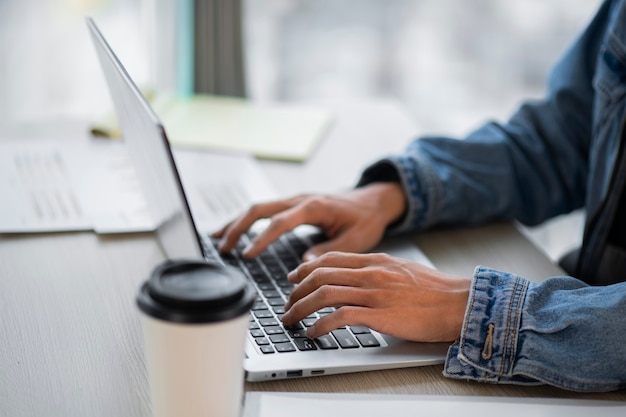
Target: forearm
{"type": "Point", "coordinates": [560, 332]}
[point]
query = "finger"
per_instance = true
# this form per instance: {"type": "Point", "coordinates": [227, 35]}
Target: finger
{"type": "Point", "coordinates": [324, 276]}
{"type": "Point", "coordinates": [280, 223]}
{"type": "Point", "coordinates": [232, 232]}
{"type": "Point", "coordinates": [325, 296]}
{"type": "Point", "coordinates": [332, 260]}
{"type": "Point", "coordinates": [343, 316]}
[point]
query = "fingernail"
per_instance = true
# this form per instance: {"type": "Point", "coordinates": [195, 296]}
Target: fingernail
{"type": "Point", "coordinates": [246, 251]}
{"type": "Point", "coordinates": [309, 257]}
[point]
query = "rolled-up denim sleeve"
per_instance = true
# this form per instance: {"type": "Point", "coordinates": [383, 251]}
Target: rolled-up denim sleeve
{"type": "Point", "coordinates": [531, 168]}
{"type": "Point", "coordinates": [418, 181]}
{"type": "Point", "coordinates": [560, 332]}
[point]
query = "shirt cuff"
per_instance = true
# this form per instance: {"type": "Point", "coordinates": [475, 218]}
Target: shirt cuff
{"type": "Point", "coordinates": [487, 348]}
{"type": "Point", "coordinates": [413, 177]}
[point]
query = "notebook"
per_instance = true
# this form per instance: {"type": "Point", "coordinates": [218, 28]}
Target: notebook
{"type": "Point", "coordinates": [202, 121]}
{"type": "Point", "coordinates": [272, 352]}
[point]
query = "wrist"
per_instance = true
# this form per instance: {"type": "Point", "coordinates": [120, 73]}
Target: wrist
{"type": "Point", "coordinates": [390, 200]}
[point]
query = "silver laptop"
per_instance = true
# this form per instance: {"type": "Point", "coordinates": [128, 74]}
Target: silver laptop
{"type": "Point", "coordinates": [272, 351]}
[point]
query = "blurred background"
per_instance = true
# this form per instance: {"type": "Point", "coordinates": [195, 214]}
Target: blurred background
{"type": "Point", "coordinates": [453, 64]}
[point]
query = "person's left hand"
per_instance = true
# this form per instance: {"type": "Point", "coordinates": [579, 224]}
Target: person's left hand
{"type": "Point", "coordinates": [390, 295]}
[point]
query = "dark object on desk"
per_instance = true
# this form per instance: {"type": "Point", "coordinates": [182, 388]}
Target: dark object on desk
{"type": "Point", "coordinates": [191, 291]}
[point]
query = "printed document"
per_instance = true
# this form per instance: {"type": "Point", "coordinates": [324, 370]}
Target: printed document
{"type": "Point", "coordinates": [50, 185]}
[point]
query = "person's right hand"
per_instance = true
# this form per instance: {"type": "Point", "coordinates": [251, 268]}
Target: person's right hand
{"type": "Point", "coordinates": [353, 222]}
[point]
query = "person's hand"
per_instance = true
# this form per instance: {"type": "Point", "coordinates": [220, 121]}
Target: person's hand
{"type": "Point", "coordinates": [353, 222]}
{"type": "Point", "coordinates": [390, 295]}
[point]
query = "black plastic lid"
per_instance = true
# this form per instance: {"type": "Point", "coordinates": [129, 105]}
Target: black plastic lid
{"type": "Point", "coordinates": [190, 291]}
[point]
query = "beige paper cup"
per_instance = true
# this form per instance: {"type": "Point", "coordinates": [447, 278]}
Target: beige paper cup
{"type": "Point", "coordinates": [195, 320]}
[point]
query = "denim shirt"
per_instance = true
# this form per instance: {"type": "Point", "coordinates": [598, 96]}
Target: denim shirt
{"type": "Point", "coordinates": [553, 156]}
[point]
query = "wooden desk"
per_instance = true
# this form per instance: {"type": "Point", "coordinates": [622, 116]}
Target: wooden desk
{"type": "Point", "coordinates": [70, 339]}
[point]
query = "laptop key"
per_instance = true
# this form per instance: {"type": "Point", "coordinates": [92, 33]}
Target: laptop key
{"type": "Point", "coordinates": [290, 265]}
{"type": "Point", "coordinates": [326, 342]}
{"type": "Point", "coordinates": [262, 341]}
{"type": "Point", "coordinates": [305, 344]}
{"type": "Point", "coordinates": [271, 330]}
{"type": "Point", "coordinates": [296, 244]}
{"type": "Point", "coordinates": [279, 338]}
{"type": "Point", "coordinates": [284, 253]}
{"type": "Point", "coordinates": [285, 347]}
{"type": "Point", "coordinates": [259, 305]}
{"type": "Point", "coordinates": [279, 309]}
{"type": "Point", "coordinates": [266, 349]}
{"type": "Point", "coordinates": [309, 322]}
{"type": "Point", "coordinates": [297, 333]}
{"type": "Point", "coordinates": [268, 322]}
{"type": "Point", "coordinates": [276, 271]}
{"type": "Point", "coordinates": [367, 340]}
{"type": "Point", "coordinates": [263, 314]}
{"type": "Point", "coordinates": [266, 285]}
{"type": "Point", "coordinates": [271, 294]}
{"type": "Point", "coordinates": [360, 329]}
{"type": "Point", "coordinates": [275, 302]}
{"type": "Point", "coordinates": [257, 333]}
{"type": "Point", "coordinates": [345, 339]}
{"type": "Point", "coordinates": [295, 326]}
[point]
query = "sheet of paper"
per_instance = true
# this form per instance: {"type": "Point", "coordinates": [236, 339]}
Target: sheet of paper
{"type": "Point", "coordinates": [367, 405]}
{"type": "Point", "coordinates": [51, 185]}
{"type": "Point", "coordinates": [68, 184]}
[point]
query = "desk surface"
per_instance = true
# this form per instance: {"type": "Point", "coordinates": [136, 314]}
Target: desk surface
{"type": "Point", "coordinates": [70, 340]}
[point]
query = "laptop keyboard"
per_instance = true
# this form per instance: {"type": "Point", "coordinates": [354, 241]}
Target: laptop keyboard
{"type": "Point", "coordinates": [268, 272]}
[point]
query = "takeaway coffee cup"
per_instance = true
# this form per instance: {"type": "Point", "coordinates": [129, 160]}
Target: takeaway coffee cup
{"type": "Point", "coordinates": [195, 320]}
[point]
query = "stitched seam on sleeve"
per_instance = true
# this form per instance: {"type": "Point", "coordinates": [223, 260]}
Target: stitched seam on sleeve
{"type": "Point", "coordinates": [506, 332]}
{"type": "Point", "coordinates": [470, 308]}
{"type": "Point", "coordinates": [519, 296]}
{"type": "Point", "coordinates": [509, 341]}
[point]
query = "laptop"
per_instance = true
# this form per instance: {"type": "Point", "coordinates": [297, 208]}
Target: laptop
{"type": "Point", "coordinates": [272, 351]}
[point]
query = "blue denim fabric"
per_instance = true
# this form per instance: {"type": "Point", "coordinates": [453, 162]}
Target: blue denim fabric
{"type": "Point", "coordinates": [553, 156]}
{"type": "Point", "coordinates": [561, 331]}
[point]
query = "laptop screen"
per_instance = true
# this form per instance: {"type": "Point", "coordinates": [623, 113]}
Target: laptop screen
{"type": "Point", "coordinates": [151, 156]}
